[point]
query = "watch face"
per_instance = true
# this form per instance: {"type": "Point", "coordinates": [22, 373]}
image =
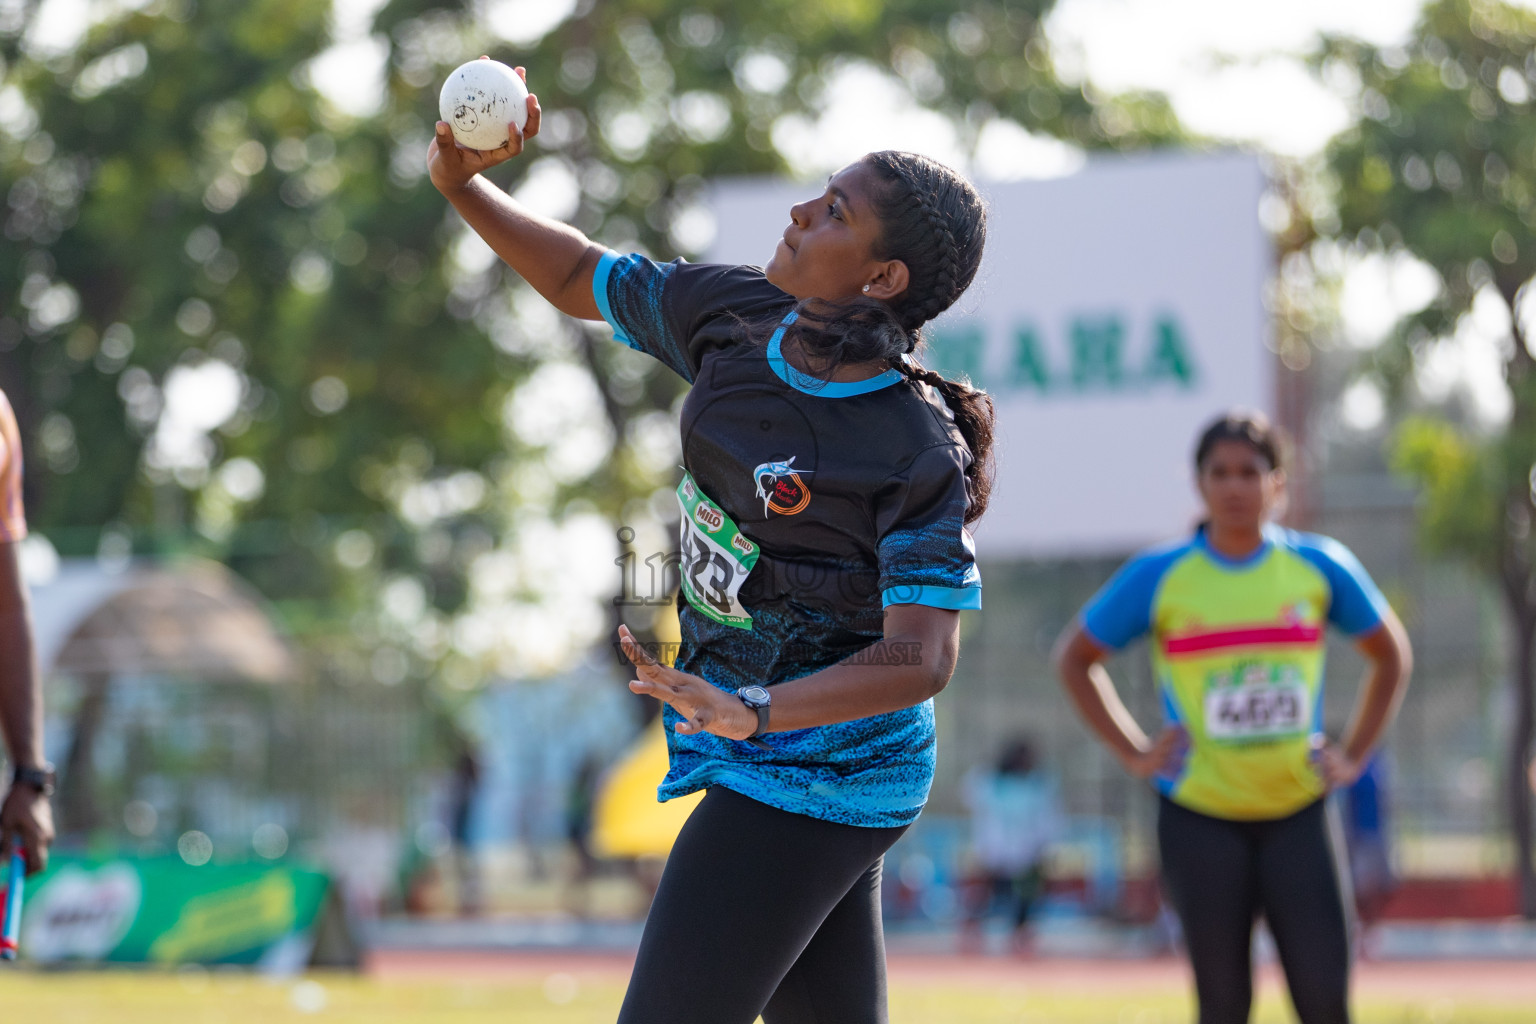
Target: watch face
{"type": "Point", "coordinates": [754, 695]}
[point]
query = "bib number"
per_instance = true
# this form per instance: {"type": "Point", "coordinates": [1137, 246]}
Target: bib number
{"type": "Point", "coordinates": [716, 558]}
{"type": "Point", "coordinates": [1275, 705]}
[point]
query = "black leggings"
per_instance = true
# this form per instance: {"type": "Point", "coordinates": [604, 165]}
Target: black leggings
{"type": "Point", "coordinates": [761, 911]}
{"type": "Point", "coordinates": [1222, 874]}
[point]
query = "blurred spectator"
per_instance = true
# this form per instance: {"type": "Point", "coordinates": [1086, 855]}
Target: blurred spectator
{"type": "Point", "coordinates": [1363, 807]}
{"type": "Point", "coordinates": [1015, 816]}
{"type": "Point", "coordinates": [580, 798]}
{"type": "Point", "coordinates": [463, 786]}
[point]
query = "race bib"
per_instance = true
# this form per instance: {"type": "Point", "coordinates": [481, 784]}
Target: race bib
{"type": "Point", "coordinates": [1259, 703]}
{"type": "Point", "coordinates": [716, 558]}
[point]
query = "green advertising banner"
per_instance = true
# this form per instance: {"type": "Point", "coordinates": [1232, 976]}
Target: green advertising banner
{"type": "Point", "coordinates": [163, 911]}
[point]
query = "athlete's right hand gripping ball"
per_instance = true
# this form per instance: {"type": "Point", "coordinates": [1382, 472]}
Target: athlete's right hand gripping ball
{"type": "Point", "coordinates": [479, 99]}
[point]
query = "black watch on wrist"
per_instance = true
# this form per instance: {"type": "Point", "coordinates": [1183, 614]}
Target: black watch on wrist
{"type": "Point", "coordinates": [760, 700]}
{"type": "Point", "coordinates": [40, 777]}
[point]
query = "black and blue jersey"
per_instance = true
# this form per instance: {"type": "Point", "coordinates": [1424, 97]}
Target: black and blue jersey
{"type": "Point", "coordinates": [848, 496]}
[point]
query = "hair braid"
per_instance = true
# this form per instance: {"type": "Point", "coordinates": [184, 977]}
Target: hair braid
{"type": "Point", "coordinates": [946, 271]}
{"type": "Point", "coordinates": [924, 204]}
{"type": "Point", "coordinates": [973, 413]}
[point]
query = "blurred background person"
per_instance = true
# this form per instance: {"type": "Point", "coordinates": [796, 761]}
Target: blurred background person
{"type": "Point", "coordinates": [1363, 807]}
{"type": "Point", "coordinates": [26, 816]}
{"type": "Point", "coordinates": [464, 784]}
{"type": "Point", "coordinates": [1237, 615]}
{"type": "Point", "coordinates": [1015, 816]}
{"type": "Point", "coordinates": [580, 803]}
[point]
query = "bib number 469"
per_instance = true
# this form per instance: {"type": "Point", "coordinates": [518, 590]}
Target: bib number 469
{"type": "Point", "coordinates": [1257, 711]}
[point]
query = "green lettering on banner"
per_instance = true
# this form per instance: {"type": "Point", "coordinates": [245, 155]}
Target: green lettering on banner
{"type": "Point", "coordinates": [957, 352]}
{"type": "Point", "coordinates": [226, 922]}
{"type": "Point", "coordinates": [1101, 354]}
{"type": "Point", "coordinates": [1029, 366]}
{"type": "Point", "coordinates": [1096, 352]}
{"type": "Point", "coordinates": [1169, 359]}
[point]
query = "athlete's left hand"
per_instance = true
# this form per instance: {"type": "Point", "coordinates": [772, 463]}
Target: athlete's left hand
{"type": "Point", "coordinates": [704, 706]}
{"type": "Point", "coordinates": [26, 817]}
{"type": "Point", "coordinates": [1336, 768]}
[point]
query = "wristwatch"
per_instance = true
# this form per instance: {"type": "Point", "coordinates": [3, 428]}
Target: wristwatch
{"type": "Point", "coordinates": [760, 700]}
{"type": "Point", "coordinates": [40, 777]}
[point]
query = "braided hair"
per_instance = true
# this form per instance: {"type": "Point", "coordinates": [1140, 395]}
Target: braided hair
{"type": "Point", "coordinates": [934, 221]}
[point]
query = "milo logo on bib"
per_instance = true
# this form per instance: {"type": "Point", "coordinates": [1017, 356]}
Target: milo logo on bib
{"type": "Point", "coordinates": [715, 557]}
{"type": "Point", "coordinates": [709, 517]}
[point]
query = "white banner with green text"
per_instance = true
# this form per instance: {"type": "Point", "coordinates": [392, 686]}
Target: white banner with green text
{"type": "Point", "coordinates": [1117, 311]}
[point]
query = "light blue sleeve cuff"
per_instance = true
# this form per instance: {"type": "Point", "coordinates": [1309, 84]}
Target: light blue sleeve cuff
{"type": "Point", "coordinates": [600, 294]}
{"type": "Point", "coordinates": [952, 598]}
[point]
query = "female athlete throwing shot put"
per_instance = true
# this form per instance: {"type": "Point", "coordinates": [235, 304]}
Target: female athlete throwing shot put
{"type": "Point", "coordinates": [828, 484]}
{"type": "Point", "coordinates": [1236, 616]}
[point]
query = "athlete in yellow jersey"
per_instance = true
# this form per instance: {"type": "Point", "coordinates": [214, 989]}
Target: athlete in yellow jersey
{"type": "Point", "coordinates": [1236, 616]}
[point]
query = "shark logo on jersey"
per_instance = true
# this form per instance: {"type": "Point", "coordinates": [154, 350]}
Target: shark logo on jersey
{"type": "Point", "coordinates": [780, 487]}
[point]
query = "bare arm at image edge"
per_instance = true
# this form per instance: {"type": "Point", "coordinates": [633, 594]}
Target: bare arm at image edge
{"type": "Point", "coordinates": [26, 813]}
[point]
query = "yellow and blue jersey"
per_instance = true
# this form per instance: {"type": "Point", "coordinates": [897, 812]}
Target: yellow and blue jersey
{"type": "Point", "coordinates": [1238, 653]}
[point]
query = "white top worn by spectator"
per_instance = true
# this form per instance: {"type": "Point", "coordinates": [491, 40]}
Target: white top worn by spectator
{"type": "Point", "coordinates": [1014, 817]}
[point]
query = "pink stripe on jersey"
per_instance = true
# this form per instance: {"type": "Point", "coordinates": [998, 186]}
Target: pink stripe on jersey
{"type": "Point", "coordinates": [1295, 634]}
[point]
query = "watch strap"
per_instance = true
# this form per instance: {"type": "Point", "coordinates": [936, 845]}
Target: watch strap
{"type": "Point", "coordinates": [763, 710]}
{"type": "Point", "coordinates": [35, 776]}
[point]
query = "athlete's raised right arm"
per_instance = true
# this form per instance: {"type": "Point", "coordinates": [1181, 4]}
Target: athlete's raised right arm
{"type": "Point", "coordinates": [555, 258]}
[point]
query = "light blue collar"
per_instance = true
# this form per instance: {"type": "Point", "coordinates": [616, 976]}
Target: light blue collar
{"type": "Point", "coordinates": [805, 383]}
{"type": "Point", "coordinates": [1204, 543]}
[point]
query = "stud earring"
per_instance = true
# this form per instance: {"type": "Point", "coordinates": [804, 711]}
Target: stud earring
{"type": "Point", "coordinates": [866, 288]}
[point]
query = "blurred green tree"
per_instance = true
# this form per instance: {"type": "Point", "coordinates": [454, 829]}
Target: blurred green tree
{"type": "Point", "coordinates": [231, 306]}
{"type": "Point", "coordinates": [1442, 165]}
{"type": "Point", "coordinates": [238, 319]}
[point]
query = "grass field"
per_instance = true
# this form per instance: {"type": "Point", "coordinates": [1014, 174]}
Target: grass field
{"type": "Point", "coordinates": [562, 998]}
